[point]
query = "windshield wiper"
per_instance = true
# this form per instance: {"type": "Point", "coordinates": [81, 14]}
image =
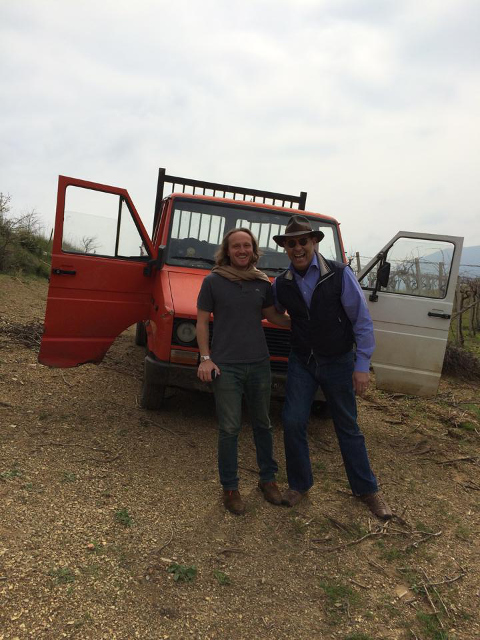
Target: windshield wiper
{"type": "Point", "coordinates": [276, 269]}
{"type": "Point", "coordinates": [193, 258]}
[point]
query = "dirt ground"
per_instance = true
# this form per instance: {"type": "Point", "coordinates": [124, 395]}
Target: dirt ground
{"type": "Point", "coordinates": [112, 526]}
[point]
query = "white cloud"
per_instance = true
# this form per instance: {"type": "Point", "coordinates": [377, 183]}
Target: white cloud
{"type": "Point", "coordinates": [370, 106]}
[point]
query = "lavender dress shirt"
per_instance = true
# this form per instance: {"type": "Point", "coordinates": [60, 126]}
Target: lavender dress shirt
{"type": "Point", "coordinates": [353, 302]}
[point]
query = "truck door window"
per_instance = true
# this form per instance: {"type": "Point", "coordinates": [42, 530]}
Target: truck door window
{"type": "Point", "coordinates": [100, 223]}
{"type": "Point", "coordinates": [195, 236]}
{"type": "Point", "coordinates": [198, 225]}
{"type": "Point", "coordinates": [418, 267]}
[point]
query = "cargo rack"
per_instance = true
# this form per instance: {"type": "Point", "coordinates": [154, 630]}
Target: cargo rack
{"type": "Point", "coordinates": [223, 191]}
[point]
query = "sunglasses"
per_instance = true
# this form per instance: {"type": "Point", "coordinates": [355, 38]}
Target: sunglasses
{"type": "Point", "coordinates": [302, 242]}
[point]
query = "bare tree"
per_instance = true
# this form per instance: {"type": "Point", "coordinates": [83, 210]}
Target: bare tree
{"type": "Point", "coordinates": [90, 244]}
{"type": "Point", "coordinates": [7, 230]}
{"type": "Point", "coordinates": [4, 205]}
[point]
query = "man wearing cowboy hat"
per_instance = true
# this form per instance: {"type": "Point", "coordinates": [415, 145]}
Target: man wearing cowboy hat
{"type": "Point", "coordinates": [329, 316]}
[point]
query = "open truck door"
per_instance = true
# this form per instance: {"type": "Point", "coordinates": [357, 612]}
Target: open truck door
{"type": "Point", "coordinates": [100, 284]}
{"type": "Point", "coordinates": [410, 287]}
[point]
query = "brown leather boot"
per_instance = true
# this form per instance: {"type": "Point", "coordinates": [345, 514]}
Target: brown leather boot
{"type": "Point", "coordinates": [233, 501]}
{"type": "Point", "coordinates": [377, 505]}
{"type": "Point", "coordinates": [291, 497]}
{"type": "Point", "coordinates": [271, 492]}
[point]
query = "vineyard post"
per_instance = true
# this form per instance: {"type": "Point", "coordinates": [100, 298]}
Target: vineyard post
{"type": "Point", "coordinates": [458, 297]}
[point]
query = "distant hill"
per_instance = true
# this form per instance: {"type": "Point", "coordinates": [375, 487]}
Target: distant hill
{"type": "Point", "coordinates": [470, 262]}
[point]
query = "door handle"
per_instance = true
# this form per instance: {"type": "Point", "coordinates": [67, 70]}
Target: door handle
{"type": "Point", "coordinates": [63, 272]}
{"type": "Point", "coordinates": [434, 314]}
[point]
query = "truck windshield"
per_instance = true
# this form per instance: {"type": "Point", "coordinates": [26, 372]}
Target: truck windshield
{"type": "Point", "coordinates": [197, 229]}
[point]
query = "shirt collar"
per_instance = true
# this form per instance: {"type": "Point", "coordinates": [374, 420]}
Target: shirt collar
{"type": "Point", "coordinates": [318, 262]}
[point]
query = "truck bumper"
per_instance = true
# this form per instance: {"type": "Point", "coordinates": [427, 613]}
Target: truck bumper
{"type": "Point", "coordinates": [164, 374]}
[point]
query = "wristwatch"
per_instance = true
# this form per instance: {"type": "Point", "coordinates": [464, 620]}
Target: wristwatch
{"type": "Point", "coordinates": [203, 358]}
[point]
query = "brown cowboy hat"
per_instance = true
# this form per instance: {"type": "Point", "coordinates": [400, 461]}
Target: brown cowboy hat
{"type": "Point", "coordinates": [298, 226]}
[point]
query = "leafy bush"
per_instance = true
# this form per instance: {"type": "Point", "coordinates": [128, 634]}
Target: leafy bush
{"type": "Point", "coordinates": [23, 248]}
{"type": "Point", "coordinates": [460, 363]}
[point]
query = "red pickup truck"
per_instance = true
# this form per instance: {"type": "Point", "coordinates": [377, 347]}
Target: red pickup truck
{"type": "Point", "coordinates": [108, 274]}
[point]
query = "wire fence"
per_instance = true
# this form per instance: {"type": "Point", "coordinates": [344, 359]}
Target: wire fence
{"type": "Point", "coordinates": [414, 276]}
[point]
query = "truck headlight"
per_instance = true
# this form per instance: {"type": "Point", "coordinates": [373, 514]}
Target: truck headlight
{"type": "Point", "coordinates": [186, 332]}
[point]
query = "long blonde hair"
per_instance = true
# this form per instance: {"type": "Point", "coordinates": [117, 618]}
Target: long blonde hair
{"type": "Point", "coordinates": [221, 256]}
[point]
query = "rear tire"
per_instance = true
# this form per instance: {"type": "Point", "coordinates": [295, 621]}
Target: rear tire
{"type": "Point", "coordinates": [140, 334]}
{"type": "Point", "coordinates": [320, 410]}
{"type": "Point", "coordinates": [153, 393]}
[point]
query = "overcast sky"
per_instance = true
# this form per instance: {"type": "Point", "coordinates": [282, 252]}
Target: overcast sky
{"type": "Point", "coordinates": [371, 106]}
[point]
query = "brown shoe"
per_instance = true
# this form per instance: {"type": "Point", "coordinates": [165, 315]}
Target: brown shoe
{"type": "Point", "coordinates": [291, 497]}
{"type": "Point", "coordinates": [233, 502]}
{"type": "Point", "coordinates": [271, 492]}
{"type": "Point", "coordinates": [377, 505]}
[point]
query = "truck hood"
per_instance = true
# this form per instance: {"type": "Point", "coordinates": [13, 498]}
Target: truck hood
{"type": "Point", "coordinates": [184, 287]}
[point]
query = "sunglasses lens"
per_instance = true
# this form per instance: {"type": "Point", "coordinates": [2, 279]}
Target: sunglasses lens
{"type": "Point", "coordinates": [302, 242]}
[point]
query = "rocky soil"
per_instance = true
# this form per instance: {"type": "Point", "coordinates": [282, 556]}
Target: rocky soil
{"type": "Point", "coordinates": [111, 524]}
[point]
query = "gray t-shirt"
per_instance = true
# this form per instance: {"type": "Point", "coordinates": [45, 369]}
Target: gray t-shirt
{"type": "Point", "coordinates": [238, 335]}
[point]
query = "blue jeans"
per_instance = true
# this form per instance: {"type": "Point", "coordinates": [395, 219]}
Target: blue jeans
{"type": "Point", "coordinates": [254, 382]}
{"type": "Point", "coordinates": [334, 376]}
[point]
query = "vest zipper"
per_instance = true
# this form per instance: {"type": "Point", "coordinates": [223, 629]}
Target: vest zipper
{"type": "Point", "coordinates": [319, 282]}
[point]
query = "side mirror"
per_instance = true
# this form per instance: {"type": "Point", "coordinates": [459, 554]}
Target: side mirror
{"type": "Point", "coordinates": [383, 274]}
{"type": "Point", "coordinates": [156, 263]}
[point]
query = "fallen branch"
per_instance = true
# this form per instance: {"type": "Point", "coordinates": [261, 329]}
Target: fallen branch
{"type": "Point", "coordinates": [352, 542]}
{"type": "Point", "coordinates": [434, 609]}
{"type": "Point", "coordinates": [249, 469]}
{"type": "Point", "coordinates": [69, 384]}
{"type": "Point", "coordinates": [435, 612]}
{"type": "Point", "coordinates": [338, 524]}
{"type": "Point", "coordinates": [323, 446]}
{"type": "Point", "coordinates": [124, 372]}
{"type": "Point", "coordinates": [68, 444]}
{"type": "Point", "coordinates": [377, 566]}
{"type": "Point", "coordinates": [449, 580]}
{"type": "Point", "coordinates": [466, 459]}
{"type": "Point", "coordinates": [441, 600]}
{"type": "Point", "coordinates": [112, 458]}
{"type": "Point", "coordinates": [417, 446]}
{"type": "Point", "coordinates": [28, 335]}
{"type": "Point", "coordinates": [427, 537]}
{"type": "Point", "coordinates": [105, 460]}
{"type": "Point", "coordinates": [359, 584]}
{"type": "Point", "coordinates": [470, 485]}
{"type": "Point", "coordinates": [175, 433]}
{"type": "Point", "coordinates": [167, 543]}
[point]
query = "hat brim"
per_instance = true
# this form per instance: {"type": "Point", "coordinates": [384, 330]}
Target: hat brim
{"type": "Point", "coordinates": [280, 240]}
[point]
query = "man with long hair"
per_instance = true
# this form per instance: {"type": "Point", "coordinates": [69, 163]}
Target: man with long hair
{"type": "Point", "coordinates": [238, 364]}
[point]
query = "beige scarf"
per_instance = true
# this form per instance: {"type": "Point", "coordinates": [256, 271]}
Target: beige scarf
{"type": "Point", "coordinates": [233, 274]}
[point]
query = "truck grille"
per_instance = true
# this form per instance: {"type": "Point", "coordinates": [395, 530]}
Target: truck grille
{"type": "Point", "coordinates": [278, 342]}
